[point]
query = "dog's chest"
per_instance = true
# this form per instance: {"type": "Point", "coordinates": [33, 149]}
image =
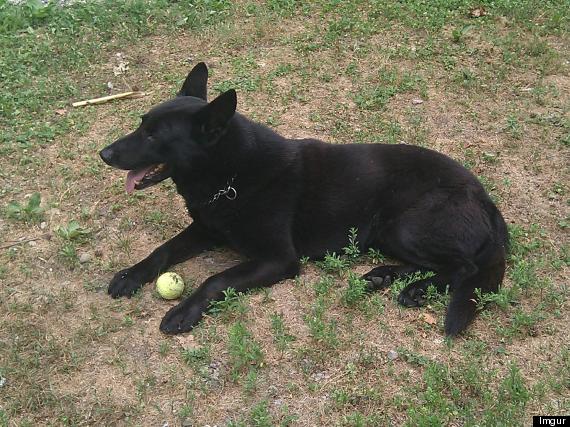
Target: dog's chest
{"type": "Point", "coordinates": [219, 217]}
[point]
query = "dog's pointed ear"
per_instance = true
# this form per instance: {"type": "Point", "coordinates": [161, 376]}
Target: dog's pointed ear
{"type": "Point", "coordinates": [215, 116]}
{"type": "Point", "coordinates": [196, 83]}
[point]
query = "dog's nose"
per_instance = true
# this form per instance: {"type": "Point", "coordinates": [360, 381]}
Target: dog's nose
{"type": "Point", "coordinates": [107, 154]}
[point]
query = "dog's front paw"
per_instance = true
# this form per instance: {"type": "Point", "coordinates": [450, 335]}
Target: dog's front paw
{"type": "Point", "coordinates": [182, 317]}
{"type": "Point", "coordinates": [124, 284]}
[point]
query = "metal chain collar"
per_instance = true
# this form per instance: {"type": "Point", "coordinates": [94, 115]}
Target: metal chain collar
{"type": "Point", "coordinates": [229, 192]}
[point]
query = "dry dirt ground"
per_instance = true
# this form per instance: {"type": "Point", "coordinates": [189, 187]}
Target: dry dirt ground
{"type": "Point", "coordinates": [69, 354]}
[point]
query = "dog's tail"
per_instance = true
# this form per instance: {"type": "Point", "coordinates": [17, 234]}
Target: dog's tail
{"type": "Point", "coordinates": [490, 263]}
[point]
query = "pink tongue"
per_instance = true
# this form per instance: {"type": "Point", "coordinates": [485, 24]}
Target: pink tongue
{"type": "Point", "coordinates": [135, 175]}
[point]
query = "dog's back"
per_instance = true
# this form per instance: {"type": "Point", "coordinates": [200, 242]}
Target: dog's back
{"type": "Point", "coordinates": [344, 186]}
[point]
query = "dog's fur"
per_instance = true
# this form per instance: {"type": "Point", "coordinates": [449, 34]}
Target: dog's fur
{"type": "Point", "coordinates": [298, 198]}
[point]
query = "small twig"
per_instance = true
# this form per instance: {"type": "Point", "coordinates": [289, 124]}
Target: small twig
{"type": "Point", "coordinates": [333, 378]}
{"type": "Point", "coordinates": [64, 194]}
{"type": "Point", "coordinates": [19, 242]}
{"type": "Point", "coordinates": [127, 84]}
{"type": "Point", "coordinates": [103, 99]}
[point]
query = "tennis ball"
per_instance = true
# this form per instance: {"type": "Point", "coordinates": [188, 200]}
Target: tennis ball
{"type": "Point", "coordinates": [170, 285]}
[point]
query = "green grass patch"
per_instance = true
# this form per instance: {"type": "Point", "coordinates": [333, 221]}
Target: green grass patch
{"type": "Point", "coordinates": [281, 335]}
{"type": "Point", "coordinates": [29, 211]}
{"type": "Point", "coordinates": [245, 353]}
{"type": "Point", "coordinates": [232, 305]}
{"type": "Point", "coordinates": [456, 394]}
{"type": "Point", "coordinates": [389, 82]}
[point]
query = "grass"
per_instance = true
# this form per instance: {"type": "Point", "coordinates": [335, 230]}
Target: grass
{"type": "Point", "coordinates": [387, 85]}
{"type": "Point", "coordinates": [282, 338]}
{"type": "Point", "coordinates": [317, 350]}
{"type": "Point", "coordinates": [441, 396]}
{"type": "Point", "coordinates": [231, 305]}
{"type": "Point", "coordinates": [30, 211]}
{"type": "Point", "coordinates": [244, 352]}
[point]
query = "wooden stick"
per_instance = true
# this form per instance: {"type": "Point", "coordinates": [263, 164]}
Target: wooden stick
{"type": "Point", "coordinates": [132, 94]}
{"type": "Point", "coordinates": [19, 242]}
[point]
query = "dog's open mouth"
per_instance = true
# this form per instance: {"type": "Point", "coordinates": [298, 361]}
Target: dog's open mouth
{"type": "Point", "coordinates": [145, 177]}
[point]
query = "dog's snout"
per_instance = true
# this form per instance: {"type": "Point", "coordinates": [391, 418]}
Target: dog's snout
{"type": "Point", "coordinates": [107, 155]}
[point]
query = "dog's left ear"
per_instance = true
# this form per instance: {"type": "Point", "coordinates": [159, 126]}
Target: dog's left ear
{"type": "Point", "coordinates": [196, 83]}
{"type": "Point", "coordinates": [214, 117]}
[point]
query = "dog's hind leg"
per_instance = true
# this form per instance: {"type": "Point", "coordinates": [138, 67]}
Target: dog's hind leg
{"type": "Point", "coordinates": [462, 282]}
{"type": "Point", "coordinates": [460, 236]}
{"type": "Point", "coordinates": [414, 295]}
{"type": "Point", "coordinates": [383, 276]}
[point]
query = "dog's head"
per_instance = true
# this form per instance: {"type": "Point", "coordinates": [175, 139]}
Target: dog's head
{"type": "Point", "coordinates": [179, 131]}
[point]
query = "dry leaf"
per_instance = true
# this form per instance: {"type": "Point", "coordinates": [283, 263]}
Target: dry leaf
{"type": "Point", "coordinates": [187, 341]}
{"type": "Point", "coordinates": [122, 65]}
{"type": "Point", "coordinates": [61, 112]}
{"type": "Point", "coordinates": [477, 12]}
{"type": "Point", "coordinates": [428, 318]}
{"type": "Point", "coordinates": [121, 68]}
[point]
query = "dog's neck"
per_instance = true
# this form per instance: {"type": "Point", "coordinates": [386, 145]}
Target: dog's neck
{"type": "Point", "coordinates": [239, 169]}
{"type": "Point", "coordinates": [229, 192]}
{"type": "Point", "coordinates": [207, 192]}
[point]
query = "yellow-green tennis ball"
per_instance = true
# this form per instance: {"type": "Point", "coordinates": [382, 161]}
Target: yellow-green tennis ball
{"type": "Point", "coordinates": [170, 285]}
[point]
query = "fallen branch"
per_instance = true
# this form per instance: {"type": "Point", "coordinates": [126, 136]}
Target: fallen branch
{"type": "Point", "coordinates": [103, 99]}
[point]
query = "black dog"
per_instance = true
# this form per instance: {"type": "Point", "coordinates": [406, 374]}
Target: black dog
{"type": "Point", "coordinates": [274, 200]}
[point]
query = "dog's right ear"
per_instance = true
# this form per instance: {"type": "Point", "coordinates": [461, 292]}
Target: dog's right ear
{"type": "Point", "coordinates": [214, 117]}
{"type": "Point", "coordinates": [196, 83]}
